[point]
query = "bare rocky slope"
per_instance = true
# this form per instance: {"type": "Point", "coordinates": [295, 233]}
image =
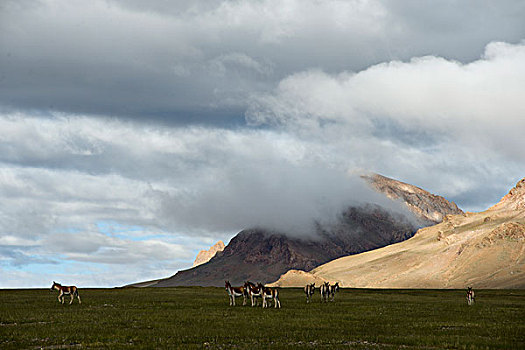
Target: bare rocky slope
{"type": "Point", "coordinates": [427, 206]}
{"type": "Point", "coordinates": [205, 255]}
{"type": "Point", "coordinates": [260, 255]}
{"type": "Point", "coordinates": [482, 250]}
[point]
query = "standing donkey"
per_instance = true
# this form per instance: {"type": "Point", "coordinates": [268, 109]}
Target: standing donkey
{"type": "Point", "coordinates": [309, 290]}
{"type": "Point", "coordinates": [72, 291]}
{"type": "Point", "coordinates": [470, 296]}
{"type": "Point", "coordinates": [234, 292]}
{"type": "Point", "coordinates": [325, 290]}
{"type": "Point", "coordinates": [269, 294]}
{"type": "Point", "coordinates": [333, 289]}
{"type": "Point", "coordinates": [253, 291]}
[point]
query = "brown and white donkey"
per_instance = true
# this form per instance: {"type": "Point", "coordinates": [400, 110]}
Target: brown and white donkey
{"type": "Point", "coordinates": [269, 294]}
{"type": "Point", "coordinates": [253, 291]}
{"type": "Point", "coordinates": [234, 292]}
{"type": "Point", "coordinates": [72, 291]}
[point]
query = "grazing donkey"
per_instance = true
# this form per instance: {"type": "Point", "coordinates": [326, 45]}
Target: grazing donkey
{"type": "Point", "coordinates": [72, 291]}
{"type": "Point", "coordinates": [333, 289]}
{"type": "Point", "coordinates": [234, 292]}
{"type": "Point", "coordinates": [269, 294]}
{"type": "Point", "coordinates": [253, 291]}
{"type": "Point", "coordinates": [325, 290]}
{"type": "Point", "coordinates": [470, 296]}
{"type": "Point", "coordinates": [309, 290]}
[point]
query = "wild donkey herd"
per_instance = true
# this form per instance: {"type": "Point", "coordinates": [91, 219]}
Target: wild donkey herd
{"type": "Point", "coordinates": [327, 291]}
{"type": "Point", "coordinates": [256, 291]}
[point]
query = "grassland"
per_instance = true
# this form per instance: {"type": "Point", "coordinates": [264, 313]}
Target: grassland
{"type": "Point", "coordinates": [201, 318]}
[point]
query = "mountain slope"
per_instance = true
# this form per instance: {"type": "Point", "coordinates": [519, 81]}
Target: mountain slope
{"type": "Point", "coordinates": [260, 255]}
{"type": "Point", "coordinates": [427, 206]}
{"type": "Point", "coordinates": [483, 250]}
{"type": "Point", "coordinates": [205, 255]}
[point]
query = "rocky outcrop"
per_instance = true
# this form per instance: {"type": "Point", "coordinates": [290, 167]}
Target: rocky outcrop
{"type": "Point", "coordinates": [482, 250]}
{"type": "Point", "coordinates": [514, 200]}
{"type": "Point", "coordinates": [205, 255]}
{"type": "Point", "coordinates": [260, 255]}
{"type": "Point", "coordinates": [427, 206]}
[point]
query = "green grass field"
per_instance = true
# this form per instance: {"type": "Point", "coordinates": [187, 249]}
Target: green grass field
{"type": "Point", "coordinates": [202, 318]}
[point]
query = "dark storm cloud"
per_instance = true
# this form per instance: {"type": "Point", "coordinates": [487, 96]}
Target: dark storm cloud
{"type": "Point", "coordinates": [198, 62]}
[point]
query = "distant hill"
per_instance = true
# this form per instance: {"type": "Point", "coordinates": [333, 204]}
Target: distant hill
{"type": "Point", "coordinates": [482, 250]}
{"type": "Point", "coordinates": [261, 255]}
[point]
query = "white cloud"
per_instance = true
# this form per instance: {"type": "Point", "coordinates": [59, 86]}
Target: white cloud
{"type": "Point", "coordinates": [132, 60]}
{"type": "Point", "coordinates": [185, 184]}
{"type": "Point", "coordinates": [406, 118]}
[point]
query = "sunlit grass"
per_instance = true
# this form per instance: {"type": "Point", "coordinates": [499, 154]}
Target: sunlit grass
{"type": "Point", "coordinates": [202, 318]}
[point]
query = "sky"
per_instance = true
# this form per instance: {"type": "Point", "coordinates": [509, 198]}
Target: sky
{"type": "Point", "coordinates": [134, 134]}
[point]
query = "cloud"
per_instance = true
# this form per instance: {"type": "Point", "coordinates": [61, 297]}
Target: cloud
{"type": "Point", "coordinates": [198, 62]}
{"type": "Point", "coordinates": [76, 171]}
{"type": "Point", "coordinates": [105, 191]}
{"type": "Point", "coordinates": [273, 195]}
{"type": "Point", "coordinates": [405, 118]}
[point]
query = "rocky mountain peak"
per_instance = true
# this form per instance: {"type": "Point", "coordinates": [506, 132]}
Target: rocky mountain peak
{"type": "Point", "coordinates": [205, 255]}
{"type": "Point", "coordinates": [515, 199]}
{"type": "Point", "coordinates": [427, 206]}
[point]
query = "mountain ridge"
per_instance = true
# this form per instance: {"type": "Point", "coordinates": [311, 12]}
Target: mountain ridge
{"type": "Point", "coordinates": [263, 255]}
{"type": "Point", "coordinates": [483, 250]}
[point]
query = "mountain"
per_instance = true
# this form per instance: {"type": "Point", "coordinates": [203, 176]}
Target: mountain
{"type": "Point", "coordinates": [205, 255]}
{"type": "Point", "coordinates": [261, 255]}
{"type": "Point", "coordinates": [427, 206]}
{"type": "Point", "coordinates": [482, 250]}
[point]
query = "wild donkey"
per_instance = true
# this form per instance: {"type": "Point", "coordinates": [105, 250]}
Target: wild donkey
{"type": "Point", "coordinates": [470, 296]}
{"type": "Point", "coordinates": [269, 293]}
{"type": "Point", "coordinates": [253, 291]}
{"type": "Point", "coordinates": [72, 291]}
{"type": "Point", "coordinates": [234, 292]}
{"type": "Point", "coordinates": [309, 290]}
{"type": "Point", "coordinates": [325, 290]}
{"type": "Point", "coordinates": [333, 289]}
